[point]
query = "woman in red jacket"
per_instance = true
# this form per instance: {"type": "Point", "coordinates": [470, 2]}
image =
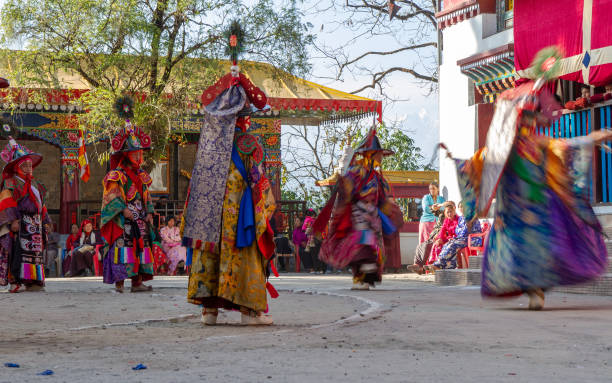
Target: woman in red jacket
{"type": "Point", "coordinates": [447, 231]}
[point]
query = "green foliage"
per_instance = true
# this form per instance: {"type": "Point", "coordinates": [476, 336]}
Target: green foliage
{"type": "Point", "coordinates": [164, 52]}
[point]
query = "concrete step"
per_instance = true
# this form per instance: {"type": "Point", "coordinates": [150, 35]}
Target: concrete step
{"type": "Point", "coordinates": [475, 262]}
{"type": "Point", "coordinates": [600, 286]}
{"type": "Point", "coordinates": [457, 277]}
{"type": "Point", "coordinates": [472, 277]}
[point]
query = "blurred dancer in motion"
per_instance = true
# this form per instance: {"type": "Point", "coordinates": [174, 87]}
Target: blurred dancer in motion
{"type": "Point", "coordinates": [545, 232]}
{"type": "Point", "coordinates": [361, 215]}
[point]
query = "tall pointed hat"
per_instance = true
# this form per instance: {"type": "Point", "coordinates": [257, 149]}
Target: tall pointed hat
{"type": "Point", "coordinates": [371, 143]}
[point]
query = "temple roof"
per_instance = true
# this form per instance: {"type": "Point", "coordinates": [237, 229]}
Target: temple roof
{"type": "Point", "coordinates": [296, 100]}
{"type": "Point", "coordinates": [401, 177]}
{"type": "Point", "coordinates": [292, 99]}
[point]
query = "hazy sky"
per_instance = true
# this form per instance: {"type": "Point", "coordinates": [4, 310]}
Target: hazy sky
{"type": "Point", "coordinates": [418, 114]}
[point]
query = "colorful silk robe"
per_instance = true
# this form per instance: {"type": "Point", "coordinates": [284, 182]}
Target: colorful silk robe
{"type": "Point", "coordinates": [226, 275]}
{"type": "Point", "coordinates": [355, 233]}
{"type": "Point", "coordinates": [130, 251]}
{"type": "Point", "coordinates": [21, 253]}
{"type": "Point", "coordinates": [545, 232]}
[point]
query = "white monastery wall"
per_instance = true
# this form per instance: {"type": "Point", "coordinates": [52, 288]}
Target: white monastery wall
{"type": "Point", "coordinates": [457, 118]}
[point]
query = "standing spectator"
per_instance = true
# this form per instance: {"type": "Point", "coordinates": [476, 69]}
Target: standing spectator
{"type": "Point", "coordinates": [313, 245]}
{"type": "Point", "coordinates": [299, 240]}
{"type": "Point", "coordinates": [431, 202]}
{"type": "Point", "coordinates": [413, 210]}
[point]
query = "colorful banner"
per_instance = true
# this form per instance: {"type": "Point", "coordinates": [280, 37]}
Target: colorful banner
{"type": "Point", "coordinates": [581, 28]}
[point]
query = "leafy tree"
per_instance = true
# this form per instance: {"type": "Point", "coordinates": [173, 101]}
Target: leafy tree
{"type": "Point", "coordinates": [163, 51]}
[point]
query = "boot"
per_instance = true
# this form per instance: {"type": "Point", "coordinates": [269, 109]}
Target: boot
{"type": "Point", "coordinates": [141, 288]}
{"type": "Point", "coordinates": [209, 316]}
{"type": "Point", "coordinates": [256, 320]}
{"type": "Point", "coordinates": [368, 268]}
{"type": "Point", "coordinates": [360, 286]}
{"type": "Point", "coordinates": [536, 299]}
{"type": "Point", "coordinates": [35, 288]}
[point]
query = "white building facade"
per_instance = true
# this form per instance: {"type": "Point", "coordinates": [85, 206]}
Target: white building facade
{"type": "Point", "coordinates": [473, 35]}
{"type": "Point", "coordinates": [477, 63]}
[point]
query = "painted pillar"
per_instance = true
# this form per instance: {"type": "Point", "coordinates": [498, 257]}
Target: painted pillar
{"type": "Point", "coordinates": [70, 190]}
{"type": "Point", "coordinates": [174, 162]}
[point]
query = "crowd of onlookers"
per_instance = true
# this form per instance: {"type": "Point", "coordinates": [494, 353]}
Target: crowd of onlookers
{"type": "Point", "coordinates": [443, 233]}
{"type": "Point", "coordinates": [82, 251]}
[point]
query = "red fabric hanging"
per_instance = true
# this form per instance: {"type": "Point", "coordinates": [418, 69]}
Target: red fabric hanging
{"type": "Point", "coordinates": [542, 23]}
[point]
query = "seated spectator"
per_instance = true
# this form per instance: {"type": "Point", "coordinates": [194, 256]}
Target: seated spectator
{"type": "Point", "coordinates": [283, 249]}
{"type": "Point", "coordinates": [448, 255]}
{"type": "Point", "coordinates": [160, 260]}
{"type": "Point", "coordinates": [51, 250]}
{"type": "Point", "coordinates": [84, 250]}
{"type": "Point", "coordinates": [413, 210]}
{"type": "Point", "coordinates": [171, 243]}
{"type": "Point", "coordinates": [581, 102]}
{"type": "Point", "coordinates": [447, 231]}
{"type": "Point", "coordinates": [71, 243]}
{"type": "Point", "coordinates": [600, 97]}
{"type": "Point", "coordinates": [423, 250]}
{"type": "Point", "coordinates": [608, 92]}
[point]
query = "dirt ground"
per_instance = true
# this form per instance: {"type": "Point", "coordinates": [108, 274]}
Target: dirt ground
{"type": "Point", "coordinates": [407, 330]}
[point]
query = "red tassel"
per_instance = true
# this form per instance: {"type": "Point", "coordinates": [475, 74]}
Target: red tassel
{"type": "Point", "coordinates": [274, 271]}
{"type": "Point", "coordinates": [271, 290]}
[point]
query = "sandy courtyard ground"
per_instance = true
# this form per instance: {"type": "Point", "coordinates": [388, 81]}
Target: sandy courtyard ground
{"type": "Point", "coordinates": [407, 330]}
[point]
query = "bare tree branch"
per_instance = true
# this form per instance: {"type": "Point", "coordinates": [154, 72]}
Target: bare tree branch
{"type": "Point", "coordinates": [403, 49]}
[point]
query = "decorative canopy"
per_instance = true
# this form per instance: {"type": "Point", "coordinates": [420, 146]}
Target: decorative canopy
{"type": "Point", "coordinates": [456, 11]}
{"type": "Point", "coordinates": [295, 100]}
{"type": "Point", "coordinates": [400, 177]}
{"type": "Point", "coordinates": [292, 99]}
{"type": "Point", "coordinates": [492, 71]}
